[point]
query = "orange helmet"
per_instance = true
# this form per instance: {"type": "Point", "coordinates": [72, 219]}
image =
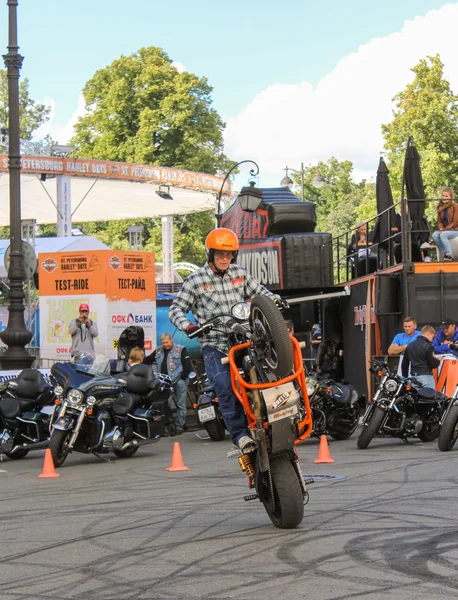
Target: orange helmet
{"type": "Point", "coordinates": [221, 239]}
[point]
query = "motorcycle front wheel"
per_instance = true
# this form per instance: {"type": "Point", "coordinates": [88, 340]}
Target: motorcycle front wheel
{"type": "Point", "coordinates": [58, 444]}
{"type": "Point", "coordinates": [286, 508]}
{"type": "Point", "coordinates": [268, 325]}
{"type": "Point", "coordinates": [371, 428]}
{"type": "Point", "coordinates": [449, 430]}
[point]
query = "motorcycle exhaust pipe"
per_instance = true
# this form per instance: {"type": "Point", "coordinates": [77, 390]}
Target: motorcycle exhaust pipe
{"type": "Point", "coordinates": [33, 446]}
{"type": "Point", "coordinates": [138, 443]}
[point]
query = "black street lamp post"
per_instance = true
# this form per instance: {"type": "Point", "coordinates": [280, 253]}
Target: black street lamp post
{"type": "Point", "coordinates": [253, 173]}
{"type": "Point", "coordinates": [15, 336]}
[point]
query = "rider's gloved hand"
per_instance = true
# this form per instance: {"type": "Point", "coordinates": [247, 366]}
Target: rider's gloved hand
{"type": "Point", "coordinates": [190, 329]}
{"type": "Point", "coordinates": [281, 303]}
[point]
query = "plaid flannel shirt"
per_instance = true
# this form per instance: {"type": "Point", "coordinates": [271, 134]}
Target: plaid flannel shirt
{"type": "Point", "coordinates": [207, 295]}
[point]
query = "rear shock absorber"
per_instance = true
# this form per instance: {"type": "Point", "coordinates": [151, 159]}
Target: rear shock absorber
{"type": "Point", "coordinates": [246, 465]}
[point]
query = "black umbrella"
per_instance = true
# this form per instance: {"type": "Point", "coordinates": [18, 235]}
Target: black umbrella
{"type": "Point", "coordinates": [413, 181]}
{"type": "Point", "coordinates": [384, 225]}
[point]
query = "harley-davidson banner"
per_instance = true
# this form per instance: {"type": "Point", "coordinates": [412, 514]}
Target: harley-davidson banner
{"type": "Point", "coordinates": [263, 262]}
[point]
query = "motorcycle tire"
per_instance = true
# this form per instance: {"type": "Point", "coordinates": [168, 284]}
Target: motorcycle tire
{"type": "Point", "coordinates": [430, 431]}
{"type": "Point", "coordinates": [58, 444]}
{"type": "Point", "coordinates": [449, 430]}
{"type": "Point", "coordinates": [269, 325]}
{"type": "Point", "coordinates": [17, 455]}
{"type": "Point", "coordinates": [287, 511]}
{"type": "Point", "coordinates": [127, 453]}
{"type": "Point", "coordinates": [215, 430]}
{"type": "Point", "coordinates": [344, 435]}
{"type": "Point", "coordinates": [369, 430]}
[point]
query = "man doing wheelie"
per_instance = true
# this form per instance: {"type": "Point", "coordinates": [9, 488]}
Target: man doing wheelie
{"type": "Point", "coordinates": [210, 291]}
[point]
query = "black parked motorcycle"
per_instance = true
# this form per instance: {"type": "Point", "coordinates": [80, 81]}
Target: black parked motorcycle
{"type": "Point", "coordinates": [26, 411]}
{"type": "Point", "coordinates": [208, 411]}
{"type": "Point", "coordinates": [335, 407]}
{"type": "Point", "coordinates": [98, 416]}
{"type": "Point", "coordinates": [400, 410]}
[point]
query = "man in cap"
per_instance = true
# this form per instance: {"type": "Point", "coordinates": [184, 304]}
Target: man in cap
{"type": "Point", "coordinates": [83, 331]}
{"type": "Point", "coordinates": [446, 337]}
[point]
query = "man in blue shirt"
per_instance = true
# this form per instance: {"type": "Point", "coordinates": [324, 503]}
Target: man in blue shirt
{"type": "Point", "coordinates": [402, 340]}
{"type": "Point", "coordinates": [447, 335]}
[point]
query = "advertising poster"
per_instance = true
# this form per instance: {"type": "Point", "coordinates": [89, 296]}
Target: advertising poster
{"type": "Point", "coordinates": [119, 286]}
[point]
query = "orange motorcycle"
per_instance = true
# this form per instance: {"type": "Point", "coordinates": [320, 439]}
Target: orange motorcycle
{"type": "Point", "coordinates": [268, 378]}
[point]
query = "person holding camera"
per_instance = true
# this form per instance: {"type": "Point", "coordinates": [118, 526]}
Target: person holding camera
{"type": "Point", "coordinates": [83, 331]}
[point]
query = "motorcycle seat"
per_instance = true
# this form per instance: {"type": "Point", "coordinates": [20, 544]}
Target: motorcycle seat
{"type": "Point", "coordinates": [13, 407]}
{"type": "Point", "coordinates": [141, 380]}
{"type": "Point", "coordinates": [123, 404]}
{"type": "Point", "coordinates": [30, 384]}
{"type": "Point", "coordinates": [430, 394]}
{"type": "Point", "coordinates": [207, 388]}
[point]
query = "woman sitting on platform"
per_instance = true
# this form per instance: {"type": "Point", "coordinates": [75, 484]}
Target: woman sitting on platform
{"type": "Point", "coordinates": [447, 223]}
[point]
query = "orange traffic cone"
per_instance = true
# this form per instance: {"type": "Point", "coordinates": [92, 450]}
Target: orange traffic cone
{"type": "Point", "coordinates": [48, 466]}
{"type": "Point", "coordinates": [323, 452]}
{"type": "Point", "coordinates": [177, 459]}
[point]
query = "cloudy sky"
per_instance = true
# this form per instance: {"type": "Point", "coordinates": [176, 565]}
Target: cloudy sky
{"type": "Point", "coordinates": [297, 81]}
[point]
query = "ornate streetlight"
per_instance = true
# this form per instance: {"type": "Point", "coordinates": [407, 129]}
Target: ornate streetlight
{"type": "Point", "coordinates": [15, 336]}
{"type": "Point", "coordinates": [318, 180]}
{"type": "Point", "coordinates": [253, 173]}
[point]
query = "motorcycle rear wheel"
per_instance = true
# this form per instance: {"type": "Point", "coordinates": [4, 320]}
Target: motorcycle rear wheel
{"type": "Point", "coordinates": [127, 453]}
{"type": "Point", "coordinates": [17, 455]}
{"type": "Point", "coordinates": [369, 430]}
{"type": "Point", "coordinates": [215, 429]}
{"type": "Point", "coordinates": [269, 326]}
{"type": "Point", "coordinates": [449, 430]}
{"type": "Point", "coordinates": [58, 444]}
{"type": "Point", "coordinates": [287, 510]}
{"type": "Point", "coordinates": [430, 430]}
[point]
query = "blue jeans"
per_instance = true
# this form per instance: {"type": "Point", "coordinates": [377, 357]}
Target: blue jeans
{"type": "Point", "coordinates": [442, 240]}
{"type": "Point", "coordinates": [230, 406]}
{"type": "Point", "coordinates": [180, 398]}
{"type": "Point", "coordinates": [426, 381]}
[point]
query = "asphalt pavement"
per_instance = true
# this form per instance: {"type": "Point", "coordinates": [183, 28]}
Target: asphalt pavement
{"type": "Point", "coordinates": [381, 523]}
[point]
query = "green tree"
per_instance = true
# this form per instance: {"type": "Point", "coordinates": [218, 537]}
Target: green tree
{"type": "Point", "coordinates": [141, 109]}
{"type": "Point", "coordinates": [31, 114]}
{"type": "Point", "coordinates": [427, 110]}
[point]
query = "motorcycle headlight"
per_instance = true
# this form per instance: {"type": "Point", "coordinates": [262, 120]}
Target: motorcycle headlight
{"type": "Point", "coordinates": [241, 311]}
{"type": "Point", "coordinates": [58, 391]}
{"type": "Point", "coordinates": [391, 385]}
{"type": "Point", "coordinates": [90, 400]}
{"type": "Point", "coordinates": [75, 397]}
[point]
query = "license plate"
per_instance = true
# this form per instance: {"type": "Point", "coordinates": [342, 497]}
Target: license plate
{"type": "Point", "coordinates": [206, 414]}
{"type": "Point", "coordinates": [290, 411]}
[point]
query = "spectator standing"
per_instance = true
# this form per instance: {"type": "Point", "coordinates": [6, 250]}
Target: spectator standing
{"type": "Point", "coordinates": [328, 357]}
{"type": "Point", "coordinates": [447, 335]}
{"type": "Point", "coordinates": [419, 355]}
{"type": "Point", "coordinates": [83, 331]}
{"type": "Point", "coordinates": [447, 223]}
{"type": "Point", "coordinates": [402, 340]}
{"type": "Point", "coordinates": [316, 340]}
{"type": "Point", "coordinates": [173, 360]}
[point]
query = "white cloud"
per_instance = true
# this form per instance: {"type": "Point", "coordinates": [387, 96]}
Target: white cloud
{"type": "Point", "coordinates": [60, 133]}
{"type": "Point", "coordinates": [179, 67]}
{"type": "Point", "coordinates": [342, 115]}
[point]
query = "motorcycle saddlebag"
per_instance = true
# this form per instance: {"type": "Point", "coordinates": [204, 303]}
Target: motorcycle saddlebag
{"type": "Point", "coordinates": [155, 418]}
